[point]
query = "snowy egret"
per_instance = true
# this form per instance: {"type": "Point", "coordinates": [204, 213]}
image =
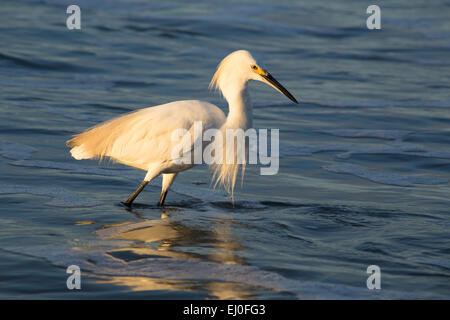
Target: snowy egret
{"type": "Point", "coordinates": [142, 139]}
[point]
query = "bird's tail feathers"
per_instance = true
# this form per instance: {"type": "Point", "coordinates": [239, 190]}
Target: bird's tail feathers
{"type": "Point", "coordinates": [97, 141]}
{"type": "Point", "coordinates": [80, 153]}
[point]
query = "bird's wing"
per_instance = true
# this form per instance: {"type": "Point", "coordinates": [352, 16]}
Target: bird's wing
{"type": "Point", "coordinates": [144, 136]}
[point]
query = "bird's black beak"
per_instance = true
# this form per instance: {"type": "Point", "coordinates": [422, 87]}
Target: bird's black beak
{"type": "Point", "coordinates": [276, 85]}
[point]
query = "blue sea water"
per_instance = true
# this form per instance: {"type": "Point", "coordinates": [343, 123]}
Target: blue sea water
{"type": "Point", "coordinates": [364, 158]}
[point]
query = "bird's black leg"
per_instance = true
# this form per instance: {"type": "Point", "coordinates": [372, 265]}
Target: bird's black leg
{"type": "Point", "coordinates": [166, 183]}
{"type": "Point", "coordinates": [162, 198]}
{"type": "Point", "coordinates": [133, 196]}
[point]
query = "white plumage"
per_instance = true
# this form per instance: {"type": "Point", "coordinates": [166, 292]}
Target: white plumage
{"type": "Point", "coordinates": [143, 138]}
{"type": "Point", "coordinates": [140, 138]}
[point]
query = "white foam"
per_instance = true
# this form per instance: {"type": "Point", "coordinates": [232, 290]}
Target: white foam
{"type": "Point", "coordinates": [384, 177]}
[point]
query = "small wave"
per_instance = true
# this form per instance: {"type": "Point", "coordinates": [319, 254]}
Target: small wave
{"type": "Point", "coordinates": [368, 133]}
{"type": "Point", "coordinates": [197, 193]}
{"type": "Point", "coordinates": [287, 149]}
{"type": "Point", "coordinates": [63, 112]}
{"type": "Point", "coordinates": [239, 204]}
{"type": "Point", "coordinates": [384, 177]}
{"type": "Point", "coordinates": [281, 204]}
{"type": "Point", "coordinates": [108, 82]}
{"type": "Point", "coordinates": [100, 262]}
{"type": "Point", "coordinates": [163, 31]}
{"type": "Point", "coordinates": [382, 104]}
{"type": "Point", "coordinates": [111, 232]}
{"type": "Point", "coordinates": [441, 222]}
{"type": "Point", "coordinates": [82, 81]}
{"type": "Point", "coordinates": [347, 150]}
{"type": "Point", "coordinates": [76, 168]}
{"type": "Point", "coordinates": [60, 197]}
{"type": "Point", "coordinates": [215, 197]}
{"type": "Point", "coordinates": [432, 262]}
{"type": "Point", "coordinates": [273, 104]}
{"type": "Point", "coordinates": [15, 151]}
{"type": "Point", "coordinates": [39, 64]}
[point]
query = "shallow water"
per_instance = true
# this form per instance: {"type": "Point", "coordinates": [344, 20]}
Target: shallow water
{"type": "Point", "coordinates": [364, 169]}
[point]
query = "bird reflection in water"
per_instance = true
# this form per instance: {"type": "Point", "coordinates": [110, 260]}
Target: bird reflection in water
{"type": "Point", "coordinates": [169, 237]}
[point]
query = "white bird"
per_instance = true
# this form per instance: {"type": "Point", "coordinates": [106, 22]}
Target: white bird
{"type": "Point", "coordinates": [143, 138]}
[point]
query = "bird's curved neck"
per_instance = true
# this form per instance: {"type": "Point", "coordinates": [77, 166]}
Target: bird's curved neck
{"type": "Point", "coordinates": [239, 105]}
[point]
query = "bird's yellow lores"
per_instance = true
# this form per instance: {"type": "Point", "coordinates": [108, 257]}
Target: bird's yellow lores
{"type": "Point", "coordinates": [142, 139]}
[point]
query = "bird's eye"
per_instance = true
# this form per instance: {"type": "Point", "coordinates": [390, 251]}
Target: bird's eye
{"type": "Point", "coordinates": [254, 67]}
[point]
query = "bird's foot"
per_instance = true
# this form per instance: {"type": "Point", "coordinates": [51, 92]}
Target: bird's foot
{"type": "Point", "coordinates": [126, 204]}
